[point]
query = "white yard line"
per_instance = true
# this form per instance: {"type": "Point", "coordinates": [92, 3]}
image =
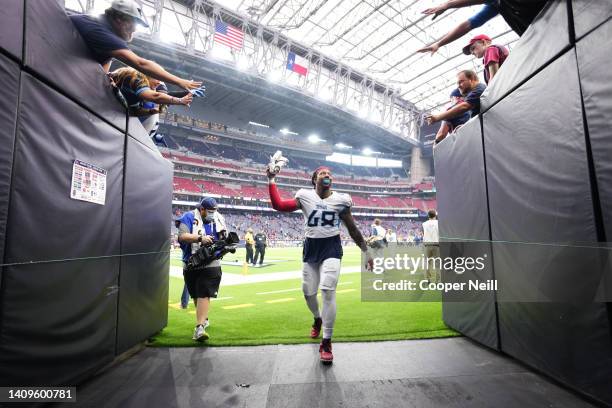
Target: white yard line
{"type": "Point", "coordinates": [230, 279]}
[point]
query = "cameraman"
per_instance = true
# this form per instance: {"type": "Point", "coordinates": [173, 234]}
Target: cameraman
{"type": "Point", "coordinates": [202, 226]}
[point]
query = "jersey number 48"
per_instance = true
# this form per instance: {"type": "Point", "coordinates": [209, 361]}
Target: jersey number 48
{"type": "Point", "coordinates": [327, 218]}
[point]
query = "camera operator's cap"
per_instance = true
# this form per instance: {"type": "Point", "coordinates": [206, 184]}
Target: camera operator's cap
{"type": "Point", "coordinates": [480, 37]}
{"type": "Point", "coordinates": [130, 8]}
{"type": "Point", "coordinates": [208, 203]}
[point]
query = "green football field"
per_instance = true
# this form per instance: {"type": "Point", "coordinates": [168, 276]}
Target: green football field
{"type": "Point", "coordinates": [274, 312]}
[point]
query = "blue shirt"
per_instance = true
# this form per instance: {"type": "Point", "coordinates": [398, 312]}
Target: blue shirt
{"type": "Point", "coordinates": [473, 98]}
{"type": "Point", "coordinates": [99, 36]}
{"type": "Point", "coordinates": [487, 12]}
{"type": "Point", "coordinates": [459, 120]}
{"type": "Point", "coordinates": [209, 229]}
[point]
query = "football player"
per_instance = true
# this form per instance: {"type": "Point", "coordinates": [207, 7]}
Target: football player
{"type": "Point", "coordinates": [323, 211]}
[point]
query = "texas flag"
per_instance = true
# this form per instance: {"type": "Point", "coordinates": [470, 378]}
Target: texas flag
{"type": "Point", "coordinates": [297, 64]}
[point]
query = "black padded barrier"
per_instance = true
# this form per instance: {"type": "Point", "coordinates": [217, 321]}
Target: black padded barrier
{"type": "Point", "coordinates": [53, 132]}
{"type": "Point", "coordinates": [543, 40]}
{"type": "Point", "coordinates": [61, 258]}
{"type": "Point", "coordinates": [11, 75]}
{"type": "Point", "coordinates": [462, 219]}
{"type": "Point", "coordinates": [596, 84]}
{"type": "Point", "coordinates": [548, 182]}
{"type": "Point", "coordinates": [58, 321]}
{"type": "Point", "coordinates": [588, 14]}
{"type": "Point", "coordinates": [57, 53]}
{"type": "Point", "coordinates": [539, 194]}
{"type": "Point", "coordinates": [11, 27]}
{"type": "Point", "coordinates": [146, 232]}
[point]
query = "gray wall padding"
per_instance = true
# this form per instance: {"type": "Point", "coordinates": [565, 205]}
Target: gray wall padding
{"type": "Point", "coordinates": [588, 14]}
{"type": "Point", "coordinates": [53, 132]}
{"type": "Point", "coordinates": [59, 291]}
{"type": "Point", "coordinates": [59, 321]}
{"type": "Point", "coordinates": [545, 38]}
{"type": "Point", "coordinates": [56, 52]}
{"type": "Point", "coordinates": [9, 71]}
{"type": "Point", "coordinates": [596, 84]}
{"type": "Point", "coordinates": [466, 219]}
{"type": "Point", "coordinates": [539, 192]}
{"type": "Point", "coordinates": [11, 27]}
{"type": "Point", "coordinates": [144, 278]}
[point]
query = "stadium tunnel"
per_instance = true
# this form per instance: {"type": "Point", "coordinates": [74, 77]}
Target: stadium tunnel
{"type": "Point", "coordinates": [72, 298]}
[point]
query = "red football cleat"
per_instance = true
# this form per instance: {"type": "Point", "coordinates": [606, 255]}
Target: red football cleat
{"type": "Point", "coordinates": [316, 328]}
{"type": "Point", "coordinates": [325, 352]}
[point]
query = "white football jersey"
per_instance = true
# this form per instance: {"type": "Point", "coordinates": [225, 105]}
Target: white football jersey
{"type": "Point", "coordinates": [322, 216]}
{"type": "Point", "coordinates": [378, 230]}
{"type": "Point", "coordinates": [430, 231]}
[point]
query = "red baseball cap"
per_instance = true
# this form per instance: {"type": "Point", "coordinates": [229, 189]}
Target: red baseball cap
{"type": "Point", "coordinates": [480, 37]}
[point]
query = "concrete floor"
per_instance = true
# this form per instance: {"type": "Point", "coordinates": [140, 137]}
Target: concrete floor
{"type": "Point", "coordinates": [451, 372]}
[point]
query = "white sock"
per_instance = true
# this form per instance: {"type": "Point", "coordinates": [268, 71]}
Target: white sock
{"type": "Point", "coordinates": [329, 312]}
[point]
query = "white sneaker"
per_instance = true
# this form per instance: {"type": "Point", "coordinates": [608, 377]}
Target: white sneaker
{"type": "Point", "coordinates": [199, 334]}
{"type": "Point", "coordinates": [206, 324]}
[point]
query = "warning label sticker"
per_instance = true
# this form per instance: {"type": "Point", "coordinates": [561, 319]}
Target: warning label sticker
{"type": "Point", "coordinates": [88, 183]}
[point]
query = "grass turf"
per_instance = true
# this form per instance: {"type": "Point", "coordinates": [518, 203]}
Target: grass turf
{"type": "Point", "coordinates": [245, 315]}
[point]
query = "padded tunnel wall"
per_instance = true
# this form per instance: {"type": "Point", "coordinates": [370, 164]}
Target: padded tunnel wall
{"type": "Point", "coordinates": [80, 282]}
{"type": "Point", "coordinates": [545, 151]}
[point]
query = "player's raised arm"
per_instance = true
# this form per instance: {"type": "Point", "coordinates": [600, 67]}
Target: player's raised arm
{"type": "Point", "coordinates": [276, 163]}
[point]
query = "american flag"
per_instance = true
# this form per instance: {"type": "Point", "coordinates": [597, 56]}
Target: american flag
{"type": "Point", "coordinates": [228, 35]}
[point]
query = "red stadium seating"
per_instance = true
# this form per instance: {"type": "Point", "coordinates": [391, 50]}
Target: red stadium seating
{"type": "Point", "coordinates": [254, 192]}
{"type": "Point", "coordinates": [216, 188]}
{"type": "Point", "coordinates": [183, 184]}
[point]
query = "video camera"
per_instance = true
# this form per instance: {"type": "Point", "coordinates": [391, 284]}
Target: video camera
{"type": "Point", "coordinates": [211, 252]}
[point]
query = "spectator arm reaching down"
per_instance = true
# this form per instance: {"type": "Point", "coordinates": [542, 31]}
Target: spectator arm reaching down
{"type": "Point", "coordinates": [453, 112]}
{"type": "Point", "coordinates": [152, 69]}
{"type": "Point", "coordinates": [437, 10]}
{"type": "Point", "coordinates": [166, 99]}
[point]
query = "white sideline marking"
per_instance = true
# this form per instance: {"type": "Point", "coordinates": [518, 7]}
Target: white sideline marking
{"type": "Point", "coordinates": [230, 279]}
{"type": "Point", "coordinates": [292, 290]}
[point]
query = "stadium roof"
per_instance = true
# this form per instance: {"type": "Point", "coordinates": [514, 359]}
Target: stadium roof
{"type": "Point", "coordinates": [379, 38]}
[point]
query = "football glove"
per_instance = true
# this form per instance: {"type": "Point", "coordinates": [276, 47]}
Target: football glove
{"type": "Point", "coordinates": [374, 241]}
{"type": "Point", "coordinates": [199, 92]}
{"type": "Point", "coordinates": [277, 162]}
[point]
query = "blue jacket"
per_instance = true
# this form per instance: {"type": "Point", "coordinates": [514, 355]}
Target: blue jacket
{"type": "Point", "coordinates": [209, 229]}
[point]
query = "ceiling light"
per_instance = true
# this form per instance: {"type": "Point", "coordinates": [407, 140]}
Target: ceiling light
{"type": "Point", "coordinates": [286, 131]}
{"type": "Point", "coordinates": [258, 124]}
{"type": "Point", "coordinates": [243, 63]}
{"type": "Point", "coordinates": [273, 76]}
{"type": "Point", "coordinates": [314, 139]}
